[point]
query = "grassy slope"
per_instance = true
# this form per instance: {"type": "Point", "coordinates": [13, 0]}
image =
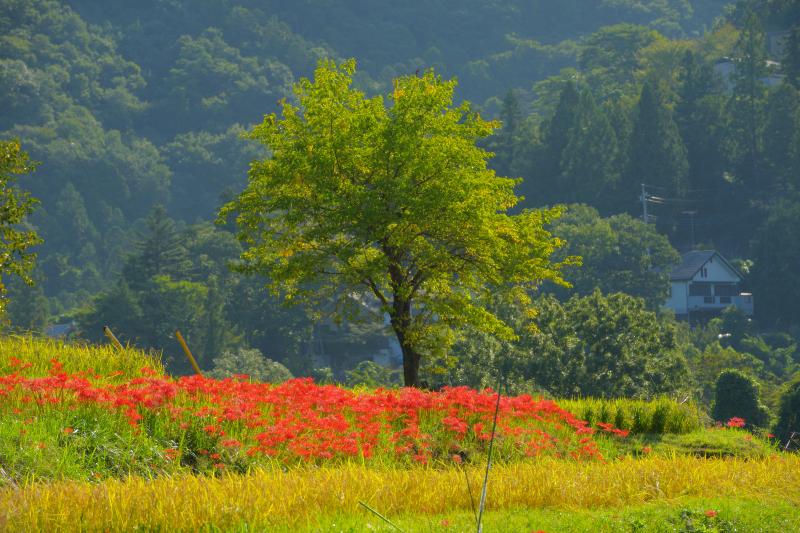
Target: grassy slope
{"type": "Point", "coordinates": [642, 492]}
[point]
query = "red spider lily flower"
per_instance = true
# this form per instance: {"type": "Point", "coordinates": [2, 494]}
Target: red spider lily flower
{"type": "Point", "coordinates": [736, 422]}
{"type": "Point", "coordinates": [68, 431]}
{"type": "Point", "coordinates": [301, 420]}
{"type": "Point", "coordinates": [711, 513]}
{"type": "Point", "coordinates": [457, 459]}
{"type": "Point", "coordinates": [215, 456]}
{"type": "Point", "coordinates": [770, 436]}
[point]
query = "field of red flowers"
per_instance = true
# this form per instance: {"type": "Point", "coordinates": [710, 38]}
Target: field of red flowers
{"type": "Point", "coordinates": [220, 423]}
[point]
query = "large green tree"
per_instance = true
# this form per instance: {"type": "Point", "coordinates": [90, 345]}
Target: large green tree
{"type": "Point", "coordinates": [620, 254]}
{"type": "Point", "coordinates": [604, 346]}
{"type": "Point", "coordinates": [15, 205]}
{"type": "Point", "coordinates": [364, 201]}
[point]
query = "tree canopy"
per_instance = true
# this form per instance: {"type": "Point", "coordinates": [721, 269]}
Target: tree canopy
{"type": "Point", "coordinates": [394, 204]}
{"type": "Point", "coordinates": [15, 205]}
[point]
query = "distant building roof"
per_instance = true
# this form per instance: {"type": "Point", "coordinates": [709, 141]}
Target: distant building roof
{"type": "Point", "coordinates": [691, 262]}
{"type": "Point", "coordinates": [57, 331]}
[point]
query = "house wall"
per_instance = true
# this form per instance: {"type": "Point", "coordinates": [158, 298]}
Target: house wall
{"type": "Point", "coordinates": [716, 270]}
{"type": "Point", "coordinates": [677, 297]}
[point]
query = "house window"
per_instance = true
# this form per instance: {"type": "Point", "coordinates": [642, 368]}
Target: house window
{"type": "Point", "coordinates": [700, 288]}
{"type": "Point", "coordinates": [726, 289]}
{"type": "Point", "coordinates": [724, 299]}
{"type": "Point", "coordinates": [708, 299]}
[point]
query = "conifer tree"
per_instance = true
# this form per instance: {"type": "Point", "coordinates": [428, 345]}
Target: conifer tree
{"type": "Point", "coordinates": [543, 185]}
{"type": "Point", "coordinates": [700, 116]}
{"type": "Point", "coordinates": [747, 101]}
{"type": "Point", "coordinates": [657, 155]}
{"type": "Point", "coordinates": [158, 252]}
{"type": "Point", "coordinates": [781, 138]}
{"type": "Point", "coordinates": [790, 62]}
{"type": "Point", "coordinates": [589, 161]}
{"type": "Point", "coordinates": [505, 140]}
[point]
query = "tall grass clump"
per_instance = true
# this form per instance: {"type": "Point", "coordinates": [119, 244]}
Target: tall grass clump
{"type": "Point", "coordinates": [659, 416]}
{"type": "Point", "coordinates": [35, 355]}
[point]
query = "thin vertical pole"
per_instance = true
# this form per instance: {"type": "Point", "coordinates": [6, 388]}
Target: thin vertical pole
{"type": "Point", "coordinates": [644, 204]}
{"type": "Point", "coordinates": [114, 340]}
{"type": "Point", "coordinates": [488, 463]}
{"type": "Point", "coordinates": [188, 353]}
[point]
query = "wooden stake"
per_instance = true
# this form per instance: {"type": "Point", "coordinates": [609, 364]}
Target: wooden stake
{"type": "Point", "coordinates": [114, 340]}
{"type": "Point", "coordinates": [188, 353]}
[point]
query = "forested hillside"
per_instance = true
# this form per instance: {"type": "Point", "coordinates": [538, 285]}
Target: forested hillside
{"type": "Point", "coordinates": [137, 112]}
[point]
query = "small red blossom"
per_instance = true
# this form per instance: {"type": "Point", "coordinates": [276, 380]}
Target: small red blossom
{"type": "Point", "coordinates": [735, 422]}
{"type": "Point", "coordinates": [711, 513]}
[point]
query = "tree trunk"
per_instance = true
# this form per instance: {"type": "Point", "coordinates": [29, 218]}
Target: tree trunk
{"type": "Point", "coordinates": [410, 367]}
{"type": "Point", "coordinates": [401, 321]}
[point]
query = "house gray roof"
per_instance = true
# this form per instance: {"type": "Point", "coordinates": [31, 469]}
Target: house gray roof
{"type": "Point", "coordinates": [691, 262]}
{"type": "Point", "coordinates": [57, 331]}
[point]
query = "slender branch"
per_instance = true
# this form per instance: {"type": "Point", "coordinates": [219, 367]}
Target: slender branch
{"type": "Point", "coordinates": [376, 291]}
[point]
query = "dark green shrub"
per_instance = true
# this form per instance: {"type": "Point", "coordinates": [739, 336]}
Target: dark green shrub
{"type": "Point", "coordinates": [789, 412]}
{"type": "Point", "coordinates": [371, 374]}
{"type": "Point", "coordinates": [250, 362]}
{"type": "Point", "coordinates": [736, 395]}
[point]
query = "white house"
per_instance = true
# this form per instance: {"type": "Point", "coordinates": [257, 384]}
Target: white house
{"type": "Point", "coordinates": [704, 284]}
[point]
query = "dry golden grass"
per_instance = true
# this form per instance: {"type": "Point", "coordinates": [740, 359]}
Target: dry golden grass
{"type": "Point", "coordinates": [275, 498]}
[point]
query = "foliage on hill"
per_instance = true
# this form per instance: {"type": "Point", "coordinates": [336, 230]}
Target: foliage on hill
{"type": "Point", "coordinates": [133, 105]}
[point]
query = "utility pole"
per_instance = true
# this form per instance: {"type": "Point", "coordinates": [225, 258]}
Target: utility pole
{"type": "Point", "coordinates": [691, 214]}
{"type": "Point", "coordinates": [644, 204]}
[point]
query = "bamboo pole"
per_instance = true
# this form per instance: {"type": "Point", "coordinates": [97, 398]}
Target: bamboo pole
{"type": "Point", "coordinates": [188, 352]}
{"type": "Point", "coordinates": [114, 340]}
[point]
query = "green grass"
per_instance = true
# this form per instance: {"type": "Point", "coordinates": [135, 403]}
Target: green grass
{"type": "Point", "coordinates": [659, 416]}
{"type": "Point", "coordinates": [682, 515]}
{"type": "Point", "coordinates": [75, 357]}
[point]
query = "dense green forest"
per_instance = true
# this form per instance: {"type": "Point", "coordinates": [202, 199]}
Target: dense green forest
{"type": "Point", "coordinates": [136, 112]}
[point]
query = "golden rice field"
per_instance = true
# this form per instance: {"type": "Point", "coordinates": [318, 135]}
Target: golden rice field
{"type": "Point", "coordinates": [295, 498]}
